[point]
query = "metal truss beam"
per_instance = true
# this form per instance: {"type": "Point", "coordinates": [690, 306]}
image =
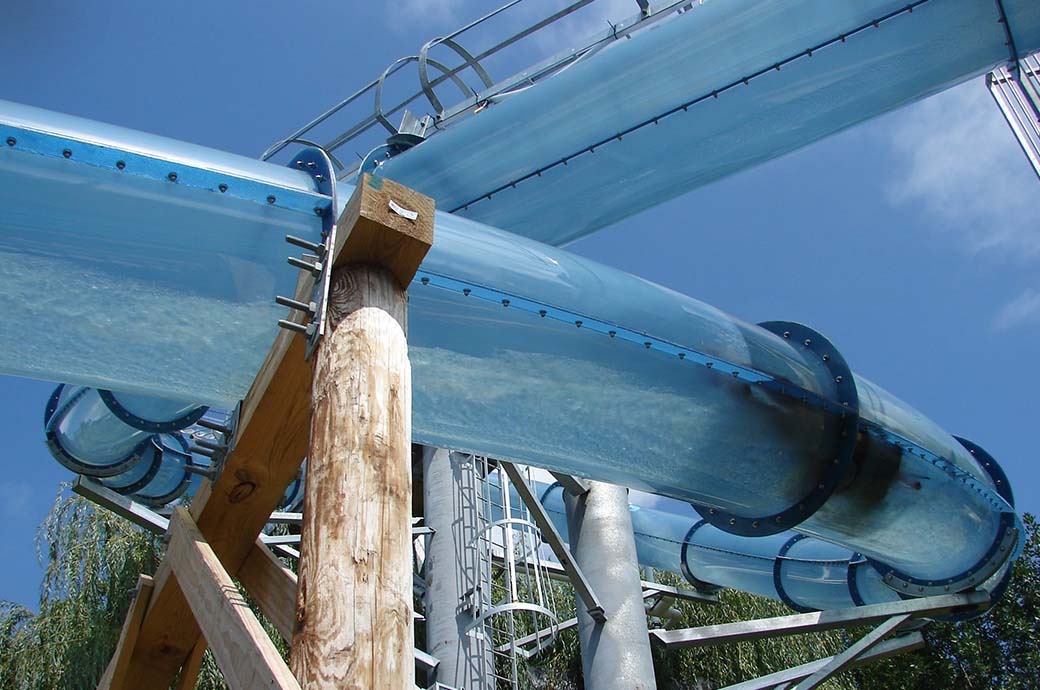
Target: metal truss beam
{"type": "Point", "coordinates": [897, 645]}
{"type": "Point", "coordinates": [839, 662]}
{"type": "Point", "coordinates": [818, 621]}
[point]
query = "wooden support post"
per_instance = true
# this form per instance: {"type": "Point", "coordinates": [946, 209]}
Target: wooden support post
{"type": "Point", "coordinates": [245, 654]}
{"type": "Point", "coordinates": [115, 675]}
{"type": "Point", "coordinates": [354, 624]}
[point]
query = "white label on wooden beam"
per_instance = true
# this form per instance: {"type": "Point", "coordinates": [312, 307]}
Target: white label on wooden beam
{"type": "Point", "coordinates": [402, 211]}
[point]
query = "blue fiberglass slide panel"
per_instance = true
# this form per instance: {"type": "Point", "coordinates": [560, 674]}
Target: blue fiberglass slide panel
{"type": "Point", "coordinates": [131, 281]}
{"type": "Point", "coordinates": [525, 138]}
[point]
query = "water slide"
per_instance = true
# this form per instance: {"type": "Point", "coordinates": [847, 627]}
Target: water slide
{"type": "Point", "coordinates": [156, 263]}
{"type": "Point", "coordinates": [707, 93]}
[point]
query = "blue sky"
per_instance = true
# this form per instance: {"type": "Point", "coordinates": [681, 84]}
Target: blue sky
{"type": "Point", "coordinates": [909, 241]}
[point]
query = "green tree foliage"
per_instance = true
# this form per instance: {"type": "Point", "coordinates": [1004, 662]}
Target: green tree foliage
{"type": "Point", "coordinates": [999, 650]}
{"type": "Point", "coordinates": [92, 561]}
{"type": "Point", "coordinates": [93, 558]}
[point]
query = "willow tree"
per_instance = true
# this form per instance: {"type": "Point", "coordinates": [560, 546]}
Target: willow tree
{"type": "Point", "coordinates": [93, 557]}
{"type": "Point", "coordinates": [92, 560]}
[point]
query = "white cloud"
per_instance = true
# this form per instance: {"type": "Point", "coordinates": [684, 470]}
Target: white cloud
{"type": "Point", "coordinates": [961, 164]}
{"type": "Point", "coordinates": [439, 13]}
{"type": "Point", "coordinates": [1021, 311]}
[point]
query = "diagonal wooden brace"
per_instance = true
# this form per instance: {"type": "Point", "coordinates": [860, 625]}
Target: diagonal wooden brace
{"type": "Point", "coordinates": [115, 674]}
{"type": "Point", "coordinates": [245, 654]}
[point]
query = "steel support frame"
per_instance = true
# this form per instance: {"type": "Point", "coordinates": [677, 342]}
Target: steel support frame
{"type": "Point", "coordinates": [897, 645]}
{"type": "Point", "coordinates": [888, 619]}
{"type": "Point", "coordinates": [555, 542]}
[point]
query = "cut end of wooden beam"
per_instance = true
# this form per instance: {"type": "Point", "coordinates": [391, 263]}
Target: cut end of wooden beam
{"type": "Point", "coordinates": [385, 224]}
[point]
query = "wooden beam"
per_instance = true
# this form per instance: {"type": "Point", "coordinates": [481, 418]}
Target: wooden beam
{"type": "Point", "coordinates": [245, 654]}
{"type": "Point", "coordinates": [114, 677]}
{"type": "Point", "coordinates": [386, 224]}
{"type": "Point", "coordinates": [354, 618]}
{"type": "Point", "coordinates": [271, 444]}
{"type": "Point", "coordinates": [273, 586]}
{"type": "Point", "coordinates": [354, 599]}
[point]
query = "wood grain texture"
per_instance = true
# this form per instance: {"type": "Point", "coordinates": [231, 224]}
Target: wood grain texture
{"type": "Point", "coordinates": [114, 677]}
{"type": "Point", "coordinates": [273, 434]}
{"type": "Point", "coordinates": [354, 599]}
{"type": "Point", "coordinates": [245, 654]}
{"type": "Point", "coordinates": [231, 512]}
{"type": "Point", "coordinates": [272, 585]}
{"type": "Point", "coordinates": [372, 232]}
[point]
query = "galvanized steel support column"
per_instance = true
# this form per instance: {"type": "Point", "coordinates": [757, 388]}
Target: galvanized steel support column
{"type": "Point", "coordinates": [453, 571]}
{"type": "Point", "coordinates": [614, 653]}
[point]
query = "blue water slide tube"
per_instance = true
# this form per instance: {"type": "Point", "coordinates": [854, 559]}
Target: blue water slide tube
{"type": "Point", "coordinates": [805, 573]}
{"type": "Point", "coordinates": [132, 443]}
{"type": "Point", "coordinates": [714, 90]}
{"type": "Point", "coordinates": [127, 442]}
{"type": "Point", "coordinates": [156, 266]}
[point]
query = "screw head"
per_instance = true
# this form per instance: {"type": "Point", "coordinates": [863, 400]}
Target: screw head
{"type": "Point", "coordinates": [271, 199]}
{"type": "Point", "coordinates": [222, 187]}
{"type": "Point", "coordinates": [11, 141]}
{"type": "Point", "coordinates": [67, 153]}
{"type": "Point", "coordinates": [121, 165]}
{"type": "Point", "coordinates": [172, 177]}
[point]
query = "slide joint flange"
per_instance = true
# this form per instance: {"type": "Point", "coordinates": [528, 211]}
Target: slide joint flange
{"type": "Point", "coordinates": [845, 410]}
{"type": "Point", "coordinates": [1001, 549]}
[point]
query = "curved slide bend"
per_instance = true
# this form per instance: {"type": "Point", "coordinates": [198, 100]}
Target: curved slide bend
{"type": "Point", "coordinates": [805, 573]}
{"type": "Point", "coordinates": [519, 350]}
{"type": "Point", "coordinates": [132, 444]}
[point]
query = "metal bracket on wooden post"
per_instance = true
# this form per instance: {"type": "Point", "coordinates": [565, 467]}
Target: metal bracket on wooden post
{"type": "Point", "coordinates": [555, 542]}
{"type": "Point", "coordinates": [317, 162]}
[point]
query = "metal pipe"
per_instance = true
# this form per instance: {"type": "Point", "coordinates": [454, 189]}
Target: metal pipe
{"type": "Point", "coordinates": [615, 653]}
{"type": "Point", "coordinates": [454, 571]}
